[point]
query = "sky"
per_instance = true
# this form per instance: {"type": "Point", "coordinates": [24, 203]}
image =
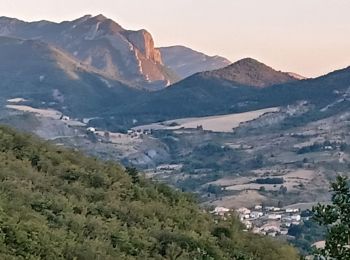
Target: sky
{"type": "Point", "coordinates": [309, 37]}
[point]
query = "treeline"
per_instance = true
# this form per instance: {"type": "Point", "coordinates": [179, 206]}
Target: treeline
{"type": "Point", "coordinates": [326, 145]}
{"type": "Point", "coordinates": [270, 180]}
{"type": "Point", "coordinates": [59, 204]}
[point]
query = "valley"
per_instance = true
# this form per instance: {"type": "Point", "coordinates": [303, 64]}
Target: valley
{"type": "Point", "coordinates": [119, 143]}
{"type": "Point", "coordinates": [220, 134]}
{"type": "Point", "coordinates": [232, 167]}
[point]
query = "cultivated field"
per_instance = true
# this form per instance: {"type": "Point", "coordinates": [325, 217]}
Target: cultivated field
{"type": "Point", "coordinates": [292, 181]}
{"type": "Point", "coordinates": [244, 199]}
{"type": "Point", "coordinates": [41, 112]}
{"type": "Point", "coordinates": [224, 123]}
{"type": "Point", "coordinates": [48, 113]}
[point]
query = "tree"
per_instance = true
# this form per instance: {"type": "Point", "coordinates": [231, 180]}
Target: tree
{"type": "Point", "coordinates": [258, 161]}
{"type": "Point", "coordinates": [336, 218]}
{"type": "Point", "coordinates": [214, 189]}
{"type": "Point", "coordinates": [133, 173]}
{"type": "Point", "coordinates": [283, 190]}
{"type": "Point", "coordinates": [262, 189]}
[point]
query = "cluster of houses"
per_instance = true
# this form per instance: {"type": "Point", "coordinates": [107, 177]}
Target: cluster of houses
{"type": "Point", "coordinates": [132, 133]}
{"type": "Point", "coordinates": [272, 221]}
{"type": "Point", "coordinates": [138, 133]}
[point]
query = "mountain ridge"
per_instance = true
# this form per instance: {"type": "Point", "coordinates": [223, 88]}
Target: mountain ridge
{"type": "Point", "coordinates": [198, 96]}
{"type": "Point", "coordinates": [124, 55]}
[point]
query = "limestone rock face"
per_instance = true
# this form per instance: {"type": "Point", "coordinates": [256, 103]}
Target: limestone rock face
{"type": "Point", "coordinates": [143, 41]}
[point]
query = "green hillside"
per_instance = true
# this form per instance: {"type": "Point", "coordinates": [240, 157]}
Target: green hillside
{"type": "Point", "coordinates": [59, 204]}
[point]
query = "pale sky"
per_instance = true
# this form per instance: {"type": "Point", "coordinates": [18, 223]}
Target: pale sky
{"type": "Point", "coordinates": [309, 37]}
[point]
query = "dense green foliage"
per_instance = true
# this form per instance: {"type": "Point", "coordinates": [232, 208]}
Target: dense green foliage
{"type": "Point", "coordinates": [306, 234]}
{"type": "Point", "coordinates": [58, 204]}
{"type": "Point", "coordinates": [336, 217]}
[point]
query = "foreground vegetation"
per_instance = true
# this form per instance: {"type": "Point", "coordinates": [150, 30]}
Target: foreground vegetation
{"type": "Point", "coordinates": [336, 218]}
{"type": "Point", "coordinates": [58, 204]}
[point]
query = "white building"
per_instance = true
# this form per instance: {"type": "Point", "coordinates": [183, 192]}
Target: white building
{"type": "Point", "coordinates": [286, 224]}
{"type": "Point", "coordinates": [243, 211]}
{"type": "Point", "coordinates": [284, 232]}
{"type": "Point", "coordinates": [296, 218]}
{"type": "Point", "coordinates": [248, 224]}
{"type": "Point", "coordinates": [91, 129]}
{"type": "Point", "coordinates": [258, 207]}
{"type": "Point", "coordinates": [292, 210]}
{"type": "Point", "coordinates": [256, 214]}
{"type": "Point", "coordinates": [287, 218]}
{"type": "Point", "coordinates": [220, 211]}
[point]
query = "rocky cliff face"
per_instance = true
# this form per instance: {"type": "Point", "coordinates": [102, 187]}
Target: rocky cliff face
{"type": "Point", "coordinates": [150, 59]}
{"type": "Point", "coordinates": [144, 42]}
{"type": "Point", "coordinates": [119, 54]}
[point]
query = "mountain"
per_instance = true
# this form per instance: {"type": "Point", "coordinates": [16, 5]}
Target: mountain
{"type": "Point", "coordinates": [186, 62]}
{"type": "Point", "coordinates": [101, 43]}
{"type": "Point", "coordinates": [49, 77]}
{"type": "Point", "coordinates": [205, 94]}
{"type": "Point", "coordinates": [250, 72]}
{"type": "Point", "coordinates": [58, 204]}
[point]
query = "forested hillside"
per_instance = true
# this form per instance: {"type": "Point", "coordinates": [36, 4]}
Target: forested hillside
{"type": "Point", "coordinates": [59, 204]}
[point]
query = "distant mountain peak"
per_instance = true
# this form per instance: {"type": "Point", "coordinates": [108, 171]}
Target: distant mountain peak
{"type": "Point", "coordinates": [186, 61]}
{"type": "Point", "coordinates": [248, 60]}
{"type": "Point", "coordinates": [248, 63]}
{"type": "Point", "coordinates": [107, 24]}
{"type": "Point", "coordinates": [100, 17]}
{"type": "Point", "coordinates": [251, 72]}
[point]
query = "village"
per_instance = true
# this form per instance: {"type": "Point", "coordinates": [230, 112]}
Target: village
{"type": "Point", "coordinates": [271, 221]}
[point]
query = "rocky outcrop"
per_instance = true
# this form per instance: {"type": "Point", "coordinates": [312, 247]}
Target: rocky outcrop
{"type": "Point", "coordinates": [150, 60]}
{"type": "Point", "coordinates": [143, 41]}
